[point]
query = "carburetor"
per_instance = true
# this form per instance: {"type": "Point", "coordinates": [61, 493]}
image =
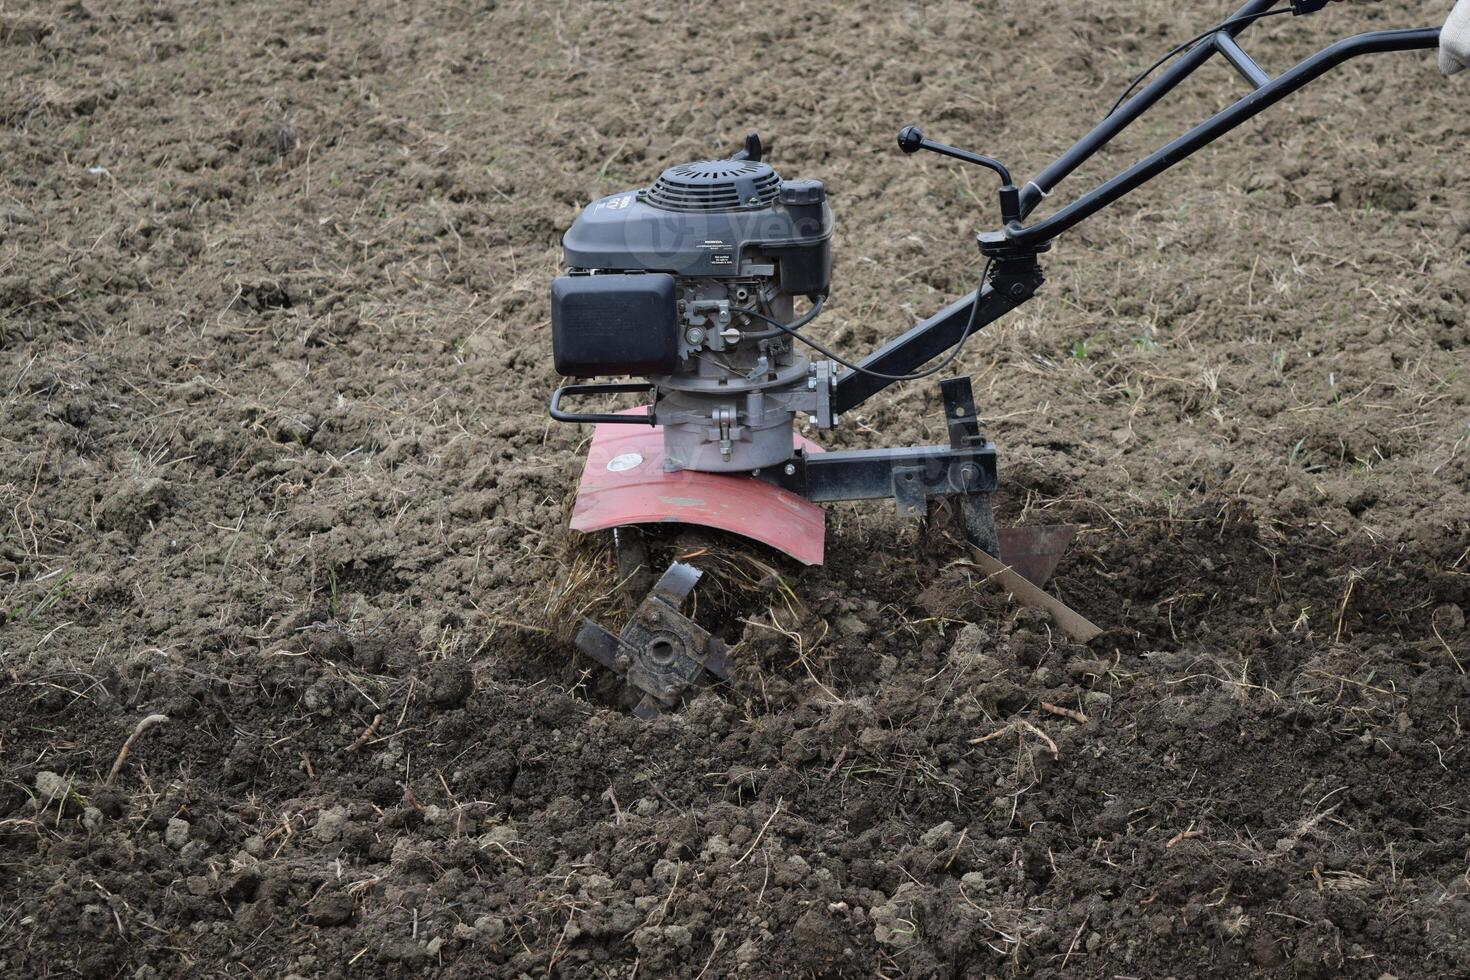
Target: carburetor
{"type": "Point", "coordinates": [686, 283]}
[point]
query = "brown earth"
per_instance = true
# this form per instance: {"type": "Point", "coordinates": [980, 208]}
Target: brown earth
{"type": "Point", "coordinates": [274, 462]}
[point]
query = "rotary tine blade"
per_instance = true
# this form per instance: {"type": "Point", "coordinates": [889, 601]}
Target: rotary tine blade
{"type": "Point", "coordinates": [717, 660]}
{"type": "Point", "coordinates": [675, 584]}
{"type": "Point", "coordinates": [647, 709]}
{"type": "Point", "coordinates": [599, 644]}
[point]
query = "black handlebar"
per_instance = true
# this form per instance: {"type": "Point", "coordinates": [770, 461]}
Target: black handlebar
{"type": "Point", "coordinates": [1266, 94]}
{"type": "Point", "coordinates": [1014, 272]}
{"type": "Point", "coordinates": [1015, 205]}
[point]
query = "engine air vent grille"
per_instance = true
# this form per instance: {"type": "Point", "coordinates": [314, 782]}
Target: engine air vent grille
{"type": "Point", "coordinates": [715, 185]}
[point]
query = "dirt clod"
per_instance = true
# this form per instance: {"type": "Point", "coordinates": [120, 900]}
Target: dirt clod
{"type": "Point", "coordinates": [450, 684]}
{"type": "Point", "coordinates": [330, 909]}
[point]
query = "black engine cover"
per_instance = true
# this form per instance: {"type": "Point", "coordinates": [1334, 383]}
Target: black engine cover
{"type": "Point", "coordinates": [614, 324]}
{"type": "Point", "coordinates": [712, 219]}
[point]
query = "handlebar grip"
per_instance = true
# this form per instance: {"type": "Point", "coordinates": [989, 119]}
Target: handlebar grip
{"type": "Point", "coordinates": [555, 410]}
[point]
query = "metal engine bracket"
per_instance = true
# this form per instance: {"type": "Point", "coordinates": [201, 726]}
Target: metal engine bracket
{"type": "Point", "coordinates": [660, 652]}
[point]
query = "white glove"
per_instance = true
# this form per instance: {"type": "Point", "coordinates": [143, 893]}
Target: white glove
{"type": "Point", "coordinates": [1454, 40]}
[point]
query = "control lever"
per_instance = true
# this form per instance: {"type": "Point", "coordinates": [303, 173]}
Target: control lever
{"type": "Point", "coordinates": [911, 140]}
{"type": "Point", "coordinates": [751, 150]}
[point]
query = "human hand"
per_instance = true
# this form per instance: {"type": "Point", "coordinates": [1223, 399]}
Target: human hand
{"type": "Point", "coordinates": [1454, 39]}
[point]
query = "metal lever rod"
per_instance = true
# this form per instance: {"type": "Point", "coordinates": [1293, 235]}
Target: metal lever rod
{"type": "Point", "coordinates": [911, 139]}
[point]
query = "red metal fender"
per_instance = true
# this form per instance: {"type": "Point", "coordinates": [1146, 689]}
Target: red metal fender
{"type": "Point", "coordinates": [623, 482]}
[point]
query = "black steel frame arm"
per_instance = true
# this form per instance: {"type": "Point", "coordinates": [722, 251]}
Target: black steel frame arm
{"type": "Point", "coordinates": [1012, 281]}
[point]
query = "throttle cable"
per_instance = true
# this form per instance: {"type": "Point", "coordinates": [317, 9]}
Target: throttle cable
{"type": "Point", "coordinates": [792, 329]}
{"type": "Point", "coordinates": [1223, 25]}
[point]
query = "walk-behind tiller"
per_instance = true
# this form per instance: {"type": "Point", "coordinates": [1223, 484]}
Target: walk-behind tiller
{"type": "Point", "coordinates": [691, 284]}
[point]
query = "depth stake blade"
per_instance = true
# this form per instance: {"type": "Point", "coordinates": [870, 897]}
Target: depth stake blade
{"type": "Point", "coordinates": [1071, 622]}
{"type": "Point", "coordinates": [1035, 551]}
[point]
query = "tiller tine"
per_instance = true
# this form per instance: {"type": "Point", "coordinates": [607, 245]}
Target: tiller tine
{"type": "Point", "coordinates": [630, 549]}
{"type": "Point", "coordinates": [660, 652]}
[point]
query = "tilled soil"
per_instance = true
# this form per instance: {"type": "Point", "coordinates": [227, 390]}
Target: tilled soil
{"type": "Point", "coordinates": [274, 463]}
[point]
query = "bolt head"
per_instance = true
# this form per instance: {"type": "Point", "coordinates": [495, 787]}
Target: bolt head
{"type": "Point", "coordinates": [789, 469]}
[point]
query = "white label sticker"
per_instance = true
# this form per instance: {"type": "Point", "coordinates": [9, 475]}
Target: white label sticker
{"type": "Point", "coordinates": [624, 462]}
